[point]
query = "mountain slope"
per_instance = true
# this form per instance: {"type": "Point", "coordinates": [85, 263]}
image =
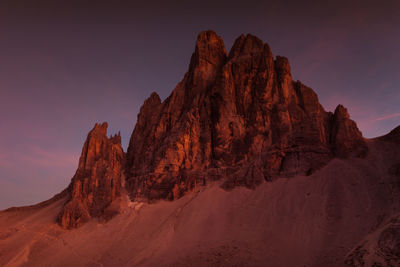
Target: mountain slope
{"type": "Point", "coordinates": [311, 220]}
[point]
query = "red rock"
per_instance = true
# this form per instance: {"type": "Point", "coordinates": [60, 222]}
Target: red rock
{"type": "Point", "coordinates": [174, 136]}
{"type": "Point", "coordinates": [346, 138]}
{"type": "Point", "coordinates": [97, 181]}
{"type": "Point", "coordinates": [238, 117]}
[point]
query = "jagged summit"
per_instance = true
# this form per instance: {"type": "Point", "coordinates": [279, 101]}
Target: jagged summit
{"type": "Point", "coordinates": [236, 117]}
{"type": "Point", "coordinates": [342, 135]}
{"type": "Point", "coordinates": [97, 181]}
{"type": "Point", "coordinates": [209, 50]}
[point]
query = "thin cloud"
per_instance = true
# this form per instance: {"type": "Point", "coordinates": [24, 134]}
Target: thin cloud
{"type": "Point", "coordinates": [38, 158]}
{"type": "Point", "coordinates": [386, 117]}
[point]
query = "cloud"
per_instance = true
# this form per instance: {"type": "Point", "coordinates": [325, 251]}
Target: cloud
{"type": "Point", "coordinates": [387, 117]}
{"type": "Point", "coordinates": [40, 157]}
{"type": "Point", "coordinates": [34, 156]}
{"type": "Point", "coordinates": [33, 173]}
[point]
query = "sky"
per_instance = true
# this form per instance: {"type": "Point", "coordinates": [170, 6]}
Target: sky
{"type": "Point", "coordinates": [65, 65]}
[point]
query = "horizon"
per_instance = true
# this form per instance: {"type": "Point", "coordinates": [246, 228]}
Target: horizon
{"type": "Point", "coordinates": [61, 74]}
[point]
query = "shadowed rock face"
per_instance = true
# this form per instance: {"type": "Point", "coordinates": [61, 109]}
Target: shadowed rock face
{"type": "Point", "coordinates": [345, 136]}
{"type": "Point", "coordinates": [238, 117]}
{"type": "Point", "coordinates": [380, 248]}
{"type": "Point", "coordinates": [393, 136]}
{"type": "Point", "coordinates": [97, 181]}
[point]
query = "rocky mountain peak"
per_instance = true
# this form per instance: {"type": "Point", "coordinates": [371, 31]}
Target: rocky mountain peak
{"type": "Point", "coordinates": [92, 148]}
{"type": "Point", "coordinates": [209, 47]}
{"type": "Point", "coordinates": [97, 181]}
{"type": "Point", "coordinates": [205, 64]}
{"type": "Point", "coordinates": [238, 118]}
{"type": "Point", "coordinates": [341, 113]}
{"type": "Point", "coordinates": [154, 99]}
{"type": "Point", "coordinates": [99, 129]}
{"type": "Point", "coordinates": [346, 137]}
{"type": "Point", "coordinates": [248, 45]}
{"type": "Point", "coordinates": [149, 106]}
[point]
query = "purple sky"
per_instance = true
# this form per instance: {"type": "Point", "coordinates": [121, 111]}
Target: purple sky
{"type": "Point", "coordinates": [65, 67]}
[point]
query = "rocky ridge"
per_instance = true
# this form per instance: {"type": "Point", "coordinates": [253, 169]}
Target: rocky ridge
{"type": "Point", "coordinates": [236, 117]}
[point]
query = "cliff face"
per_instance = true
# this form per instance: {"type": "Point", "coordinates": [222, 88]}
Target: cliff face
{"type": "Point", "coordinates": [238, 117]}
{"type": "Point", "coordinates": [97, 181]}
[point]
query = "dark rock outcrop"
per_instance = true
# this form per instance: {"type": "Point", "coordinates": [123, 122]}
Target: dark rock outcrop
{"type": "Point", "coordinates": [379, 248]}
{"type": "Point", "coordinates": [97, 181]}
{"type": "Point", "coordinates": [346, 138]}
{"type": "Point", "coordinates": [238, 117]}
{"type": "Point", "coordinates": [393, 136]}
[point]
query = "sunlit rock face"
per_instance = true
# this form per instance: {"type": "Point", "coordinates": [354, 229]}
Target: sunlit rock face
{"type": "Point", "coordinates": [236, 117]}
{"type": "Point", "coordinates": [97, 181]}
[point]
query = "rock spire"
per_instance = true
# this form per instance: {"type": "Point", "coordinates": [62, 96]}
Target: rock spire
{"type": "Point", "coordinates": [97, 181]}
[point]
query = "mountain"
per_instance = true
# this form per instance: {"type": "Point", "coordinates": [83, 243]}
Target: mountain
{"type": "Point", "coordinates": [97, 181]}
{"type": "Point", "coordinates": [236, 117]}
{"type": "Point", "coordinates": [239, 166]}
